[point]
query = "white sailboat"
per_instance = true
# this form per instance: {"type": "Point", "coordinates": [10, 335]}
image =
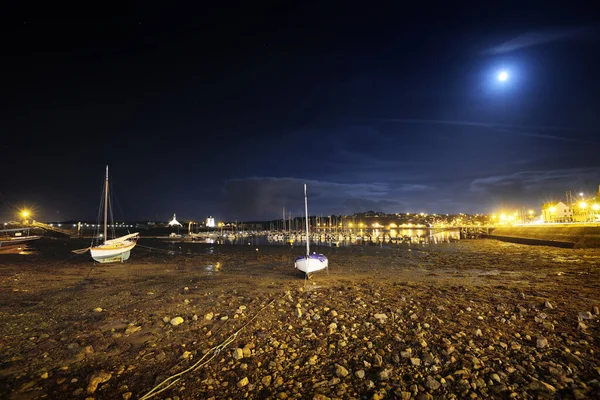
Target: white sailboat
{"type": "Point", "coordinates": [310, 263]}
{"type": "Point", "coordinates": [113, 250]}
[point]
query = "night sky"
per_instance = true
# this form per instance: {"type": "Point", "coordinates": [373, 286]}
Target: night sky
{"type": "Point", "coordinates": [228, 111]}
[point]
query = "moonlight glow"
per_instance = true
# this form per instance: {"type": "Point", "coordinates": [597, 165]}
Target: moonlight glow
{"type": "Point", "coordinates": [503, 76]}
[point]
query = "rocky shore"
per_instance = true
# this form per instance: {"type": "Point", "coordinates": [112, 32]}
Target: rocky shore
{"type": "Point", "coordinates": [463, 320]}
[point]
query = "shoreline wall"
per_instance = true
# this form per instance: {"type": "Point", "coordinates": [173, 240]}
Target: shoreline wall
{"type": "Point", "coordinates": [561, 236]}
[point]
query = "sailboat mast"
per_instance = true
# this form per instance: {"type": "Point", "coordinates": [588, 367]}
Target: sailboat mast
{"type": "Point", "coordinates": [105, 203]}
{"type": "Point", "coordinates": [306, 213]}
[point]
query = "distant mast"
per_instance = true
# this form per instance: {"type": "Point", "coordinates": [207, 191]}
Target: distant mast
{"type": "Point", "coordinates": [105, 204]}
{"type": "Point", "coordinates": [306, 213]}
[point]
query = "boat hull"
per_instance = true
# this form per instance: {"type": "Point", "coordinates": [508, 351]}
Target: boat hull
{"type": "Point", "coordinates": [113, 253]}
{"type": "Point", "coordinates": [312, 263]}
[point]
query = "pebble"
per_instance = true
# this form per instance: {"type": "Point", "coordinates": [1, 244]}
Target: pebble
{"type": "Point", "coordinates": [542, 342]}
{"type": "Point", "coordinates": [176, 321]}
{"type": "Point", "coordinates": [298, 312]}
{"type": "Point", "coordinates": [96, 379]}
{"type": "Point", "coordinates": [360, 374]}
{"type": "Point", "coordinates": [340, 371]}
{"type": "Point", "coordinates": [266, 380]}
{"type": "Point", "coordinates": [238, 353]}
{"type": "Point", "coordinates": [415, 361]}
{"type": "Point", "coordinates": [547, 304]}
{"type": "Point", "coordinates": [98, 309]}
{"type": "Point", "coordinates": [585, 315]}
{"type": "Point", "coordinates": [127, 395]}
{"type": "Point", "coordinates": [332, 328]}
{"type": "Point", "coordinates": [131, 329]}
{"type": "Point", "coordinates": [384, 374]}
{"type": "Point", "coordinates": [380, 317]}
{"type": "Point", "coordinates": [209, 316]}
{"type": "Point", "coordinates": [243, 382]}
{"type": "Point", "coordinates": [431, 383]}
{"type": "Point", "coordinates": [478, 332]}
{"type": "Point", "coordinates": [186, 355]}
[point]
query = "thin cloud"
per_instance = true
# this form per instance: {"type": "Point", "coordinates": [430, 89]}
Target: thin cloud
{"type": "Point", "coordinates": [531, 39]}
{"type": "Point", "coordinates": [528, 182]}
{"type": "Point", "coordinates": [264, 197]}
{"type": "Point", "coordinates": [523, 130]}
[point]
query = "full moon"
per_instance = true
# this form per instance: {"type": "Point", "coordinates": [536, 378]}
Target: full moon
{"type": "Point", "coordinates": [502, 76]}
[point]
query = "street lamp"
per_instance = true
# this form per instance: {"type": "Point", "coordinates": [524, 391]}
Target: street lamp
{"type": "Point", "coordinates": [583, 206]}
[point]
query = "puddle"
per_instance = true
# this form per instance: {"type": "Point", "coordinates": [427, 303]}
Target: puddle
{"type": "Point", "coordinates": [212, 268]}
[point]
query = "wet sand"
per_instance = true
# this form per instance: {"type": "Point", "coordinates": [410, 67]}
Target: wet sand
{"type": "Point", "coordinates": [462, 320]}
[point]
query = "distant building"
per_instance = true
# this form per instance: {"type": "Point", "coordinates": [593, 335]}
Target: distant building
{"type": "Point", "coordinates": [557, 212]}
{"type": "Point", "coordinates": [174, 221]}
{"type": "Point", "coordinates": [210, 222]}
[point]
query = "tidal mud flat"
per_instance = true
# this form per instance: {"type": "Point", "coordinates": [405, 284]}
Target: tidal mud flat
{"type": "Point", "coordinates": [463, 320]}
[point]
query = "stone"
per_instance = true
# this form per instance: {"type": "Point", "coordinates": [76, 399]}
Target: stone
{"type": "Point", "coordinates": [332, 328]}
{"type": "Point", "coordinates": [166, 319]}
{"type": "Point", "coordinates": [380, 317]}
{"type": "Point", "coordinates": [209, 316]}
{"type": "Point", "coordinates": [127, 395]}
{"type": "Point", "coordinates": [581, 326]}
{"type": "Point", "coordinates": [44, 375]}
{"type": "Point", "coordinates": [298, 312]}
{"type": "Point", "coordinates": [431, 383]}
{"type": "Point", "coordinates": [495, 378]}
{"type": "Point", "coordinates": [131, 329]}
{"type": "Point", "coordinates": [340, 371]}
{"type": "Point", "coordinates": [541, 386]}
{"type": "Point", "coordinates": [98, 309]}
{"type": "Point", "coordinates": [96, 379]}
{"type": "Point", "coordinates": [186, 355]}
{"type": "Point", "coordinates": [243, 382]}
{"type": "Point", "coordinates": [415, 361]}
{"type": "Point", "coordinates": [312, 360]}
{"type": "Point", "coordinates": [542, 342]}
{"type": "Point", "coordinates": [247, 351]}
{"type": "Point", "coordinates": [176, 321]}
{"type": "Point", "coordinates": [238, 353]}
{"type": "Point", "coordinates": [478, 332]}
{"type": "Point", "coordinates": [266, 380]}
{"type": "Point", "coordinates": [384, 374]}
{"type": "Point", "coordinates": [360, 374]}
{"type": "Point", "coordinates": [596, 310]}
{"type": "Point", "coordinates": [585, 315]}
{"type": "Point", "coordinates": [547, 304]}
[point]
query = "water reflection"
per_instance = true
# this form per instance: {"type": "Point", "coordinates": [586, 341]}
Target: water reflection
{"type": "Point", "coordinates": [366, 237]}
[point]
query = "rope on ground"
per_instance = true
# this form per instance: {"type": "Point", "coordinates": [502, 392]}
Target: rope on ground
{"type": "Point", "coordinates": [158, 250]}
{"type": "Point", "coordinates": [213, 352]}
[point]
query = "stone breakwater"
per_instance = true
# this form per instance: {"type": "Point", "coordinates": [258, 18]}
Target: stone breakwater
{"type": "Point", "coordinates": [576, 236]}
{"type": "Point", "coordinates": [478, 319]}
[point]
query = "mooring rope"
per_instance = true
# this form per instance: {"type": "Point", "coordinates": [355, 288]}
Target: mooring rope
{"type": "Point", "coordinates": [212, 352]}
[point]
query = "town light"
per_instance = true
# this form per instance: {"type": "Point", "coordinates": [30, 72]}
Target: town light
{"type": "Point", "coordinates": [25, 213]}
{"type": "Point", "coordinates": [596, 207]}
{"type": "Point", "coordinates": [583, 205]}
{"type": "Point", "coordinates": [530, 212]}
{"type": "Point", "coordinates": [552, 209]}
